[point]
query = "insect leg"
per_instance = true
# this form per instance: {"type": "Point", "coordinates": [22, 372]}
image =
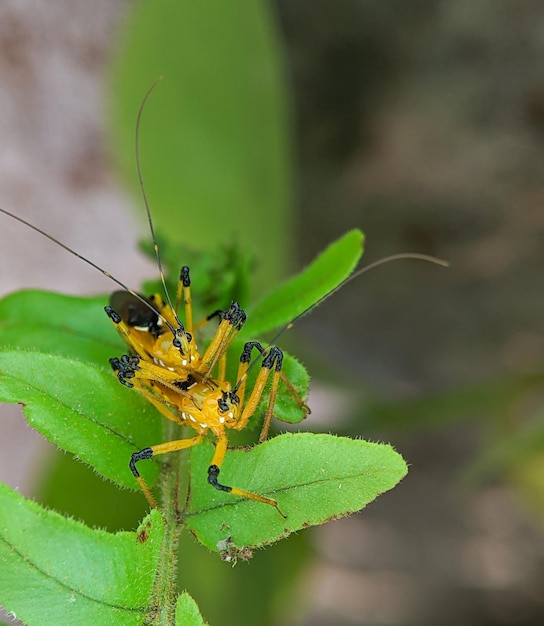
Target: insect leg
{"type": "Point", "coordinates": [221, 375]}
{"type": "Point", "coordinates": [215, 468]}
{"type": "Point", "coordinates": [151, 451]}
{"type": "Point", "coordinates": [127, 333]}
{"type": "Point", "coordinates": [231, 323]}
{"type": "Point", "coordinates": [184, 291]}
{"type": "Point", "coordinates": [273, 359]}
{"type": "Point", "coordinates": [157, 385]}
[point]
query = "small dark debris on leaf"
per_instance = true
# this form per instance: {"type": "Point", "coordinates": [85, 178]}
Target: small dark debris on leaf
{"type": "Point", "coordinates": [143, 534]}
{"type": "Point", "coordinates": [231, 553]}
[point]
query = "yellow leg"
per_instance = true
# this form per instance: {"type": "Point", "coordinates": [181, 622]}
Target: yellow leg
{"type": "Point", "coordinates": [215, 468]}
{"type": "Point", "coordinates": [227, 330]}
{"type": "Point", "coordinates": [245, 360]}
{"type": "Point", "coordinates": [222, 372]}
{"type": "Point", "coordinates": [161, 404]}
{"type": "Point", "coordinates": [128, 335]}
{"type": "Point", "coordinates": [151, 451]}
{"type": "Point", "coordinates": [272, 359]}
{"type": "Point", "coordinates": [184, 291]}
{"type": "Point", "coordinates": [273, 393]}
{"type": "Point", "coordinates": [270, 408]}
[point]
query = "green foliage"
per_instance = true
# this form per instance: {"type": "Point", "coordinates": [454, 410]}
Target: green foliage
{"type": "Point", "coordinates": [302, 291]}
{"type": "Point", "coordinates": [218, 275]}
{"type": "Point", "coordinates": [313, 477]}
{"type": "Point", "coordinates": [80, 406]}
{"type": "Point", "coordinates": [77, 575]}
{"type": "Point", "coordinates": [215, 141]}
{"type": "Point", "coordinates": [67, 326]}
{"type": "Point", "coordinates": [187, 613]}
{"type": "Point", "coordinates": [82, 409]}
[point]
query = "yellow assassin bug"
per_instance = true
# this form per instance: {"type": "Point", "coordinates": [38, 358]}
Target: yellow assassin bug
{"type": "Point", "coordinates": [165, 366]}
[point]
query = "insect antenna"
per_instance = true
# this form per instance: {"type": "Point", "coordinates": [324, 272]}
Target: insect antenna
{"type": "Point", "coordinates": [181, 328]}
{"type": "Point", "coordinates": [91, 263]}
{"type": "Point", "coordinates": [388, 259]}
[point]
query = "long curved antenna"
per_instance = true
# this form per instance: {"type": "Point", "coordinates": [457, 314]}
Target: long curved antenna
{"type": "Point", "coordinates": [89, 262]}
{"type": "Point", "coordinates": [388, 259]}
{"type": "Point", "coordinates": [146, 202]}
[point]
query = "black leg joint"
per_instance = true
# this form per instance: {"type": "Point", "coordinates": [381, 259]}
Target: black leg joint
{"type": "Point", "coordinates": [217, 313]}
{"type": "Point", "coordinates": [242, 320]}
{"type": "Point", "coordinates": [146, 453]}
{"type": "Point", "coordinates": [125, 368]}
{"type": "Point", "coordinates": [245, 357]}
{"type": "Point", "coordinates": [115, 317]}
{"type": "Point", "coordinates": [235, 315]}
{"type": "Point", "coordinates": [274, 357]}
{"type": "Point", "coordinates": [213, 473]}
{"type": "Point", "coordinates": [184, 276]}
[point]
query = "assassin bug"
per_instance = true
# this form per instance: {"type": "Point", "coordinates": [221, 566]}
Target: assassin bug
{"type": "Point", "coordinates": [165, 365]}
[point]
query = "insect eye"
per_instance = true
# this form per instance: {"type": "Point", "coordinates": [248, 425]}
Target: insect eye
{"type": "Point", "coordinates": [223, 404]}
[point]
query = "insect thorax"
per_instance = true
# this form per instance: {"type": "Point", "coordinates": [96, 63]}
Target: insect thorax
{"type": "Point", "coordinates": [211, 405]}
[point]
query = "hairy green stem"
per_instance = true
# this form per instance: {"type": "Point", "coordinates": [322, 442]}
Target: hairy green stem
{"type": "Point", "coordinates": [163, 599]}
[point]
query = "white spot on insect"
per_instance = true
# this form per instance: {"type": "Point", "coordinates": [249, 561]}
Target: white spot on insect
{"type": "Point", "coordinates": [184, 362]}
{"type": "Point", "coordinates": [192, 357]}
{"type": "Point", "coordinates": [221, 420]}
{"type": "Point", "coordinates": [203, 425]}
{"type": "Point", "coordinates": [171, 369]}
{"type": "Point", "coordinates": [192, 418]}
{"type": "Point", "coordinates": [231, 414]}
{"type": "Point", "coordinates": [184, 415]}
{"type": "Point", "coordinates": [161, 362]}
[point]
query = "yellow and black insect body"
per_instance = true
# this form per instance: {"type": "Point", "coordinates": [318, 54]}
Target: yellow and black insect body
{"type": "Point", "coordinates": [187, 387]}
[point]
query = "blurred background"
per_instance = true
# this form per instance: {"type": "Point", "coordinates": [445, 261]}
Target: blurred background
{"type": "Point", "coordinates": [420, 122]}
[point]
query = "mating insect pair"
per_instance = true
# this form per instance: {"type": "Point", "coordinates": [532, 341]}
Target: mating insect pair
{"type": "Point", "coordinates": [166, 367]}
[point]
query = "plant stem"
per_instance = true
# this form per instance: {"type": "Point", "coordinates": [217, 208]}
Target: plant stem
{"type": "Point", "coordinates": [163, 599]}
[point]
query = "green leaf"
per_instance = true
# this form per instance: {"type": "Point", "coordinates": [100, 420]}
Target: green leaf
{"type": "Point", "coordinates": [74, 488]}
{"type": "Point", "coordinates": [214, 140]}
{"type": "Point", "coordinates": [314, 478]}
{"type": "Point", "coordinates": [59, 571]}
{"type": "Point", "coordinates": [58, 324]}
{"type": "Point", "coordinates": [83, 409]}
{"type": "Point", "coordinates": [300, 292]}
{"type": "Point", "coordinates": [187, 613]}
